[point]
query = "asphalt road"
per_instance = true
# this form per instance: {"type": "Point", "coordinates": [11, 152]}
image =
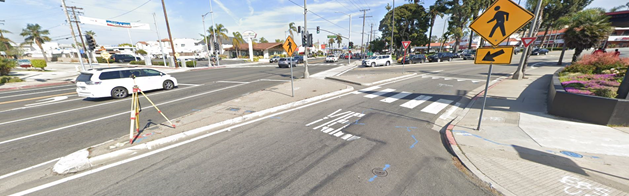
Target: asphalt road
{"type": "Point", "coordinates": [35, 131]}
{"type": "Point", "coordinates": [379, 141]}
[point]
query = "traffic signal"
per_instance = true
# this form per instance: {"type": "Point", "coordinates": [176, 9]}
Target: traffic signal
{"type": "Point", "coordinates": [351, 45]}
{"type": "Point", "coordinates": [91, 43]}
{"type": "Point", "coordinates": [304, 40]}
{"type": "Point", "coordinates": [310, 40]}
{"type": "Point", "coordinates": [298, 29]}
{"type": "Point", "coordinates": [318, 30]}
{"type": "Point", "coordinates": [216, 46]}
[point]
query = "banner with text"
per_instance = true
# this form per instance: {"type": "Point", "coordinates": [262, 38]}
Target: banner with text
{"type": "Point", "coordinates": [111, 23]}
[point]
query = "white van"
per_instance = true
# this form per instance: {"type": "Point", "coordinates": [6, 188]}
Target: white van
{"type": "Point", "coordinates": [117, 82]}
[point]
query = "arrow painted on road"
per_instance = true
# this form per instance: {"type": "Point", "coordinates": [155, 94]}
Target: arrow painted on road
{"type": "Point", "coordinates": [490, 56]}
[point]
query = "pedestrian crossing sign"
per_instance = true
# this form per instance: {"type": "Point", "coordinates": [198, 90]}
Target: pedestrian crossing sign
{"type": "Point", "coordinates": [500, 20]}
{"type": "Point", "coordinates": [289, 46]}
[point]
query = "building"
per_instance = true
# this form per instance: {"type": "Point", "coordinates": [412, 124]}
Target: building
{"type": "Point", "coordinates": [184, 46]}
{"type": "Point", "coordinates": [259, 49]}
{"type": "Point", "coordinates": [52, 49]}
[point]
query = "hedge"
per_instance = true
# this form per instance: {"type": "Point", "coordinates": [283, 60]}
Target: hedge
{"type": "Point", "coordinates": [6, 65]}
{"type": "Point", "coordinates": [137, 63]}
{"type": "Point", "coordinates": [9, 79]}
{"type": "Point", "coordinates": [190, 63]}
{"type": "Point", "coordinates": [37, 63]}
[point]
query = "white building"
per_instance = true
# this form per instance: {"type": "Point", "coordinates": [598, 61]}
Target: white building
{"type": "Point", "coordinates": [52, 49]}
{"type": "Point", "coordinates": [186, 47]}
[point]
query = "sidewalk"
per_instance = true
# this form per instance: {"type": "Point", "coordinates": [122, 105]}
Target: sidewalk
{"type": "Point", "coordinates": [522, 150]}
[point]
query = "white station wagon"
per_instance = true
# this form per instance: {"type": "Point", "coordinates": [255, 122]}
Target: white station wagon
{"type": "Point", "coordinates": [117, 82]}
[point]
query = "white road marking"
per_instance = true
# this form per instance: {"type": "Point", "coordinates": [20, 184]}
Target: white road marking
{"type": "Point", "coordinates": [366, 89]}
{"type": "Point", "coordinates": [450, 111]}
{"type": "Point", "coordinates": [346, 136]}
{"type": "Point", "coordinates": [415, 102]}
{"type": "Point", "coordinates": [437, 106]}
{"type": "Point", "coordinates": [40, 92]}
{"type": "Point", "coordinates": [40, 104]}
{"type": "Point", "coordinates": [190, 84]}
{"type": "Point", "coordinates": [28, 168]}
{"type": "Point", "coordinates": [379, 93]}
{"type": "Point", "coordinates": [106, 117]}
{"type": "Point", "coordinates": [34, 89]}
{"type": "Point", "coordinates": [234, 82]}
{"type": "Point", "coordinates": [271, 80]}
{"type": "Point", "coordinates": [396, 97]}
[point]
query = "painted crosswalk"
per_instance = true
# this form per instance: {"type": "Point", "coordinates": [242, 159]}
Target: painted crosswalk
{"type": "Point", "coordinates": [406, 99]}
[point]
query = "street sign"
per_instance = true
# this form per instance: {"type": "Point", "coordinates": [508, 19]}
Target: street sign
{"type": "Point", "coordinates": [332, 36]}
{"type": "Point", "coordinates": [498, 55]}
{"type": "Point", "coordinates": [502, 18]}
{"type": "Point", "coordinates": [528, 40]}
{"type": "Point", "coordinates": [289, 46]}
{"type": "Point", "coordinates": [105, 54]}
{"type": "Point", "coordinates": [249, 35]}
{"type": "Point", "coordinates": [406, 44]}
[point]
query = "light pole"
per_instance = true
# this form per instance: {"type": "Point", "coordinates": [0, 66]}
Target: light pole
{"type": "Point", "coordinates": [159, 41]}
{"type": "Point", "coordinates": [349, 60]}
{"type": "Point", "coordinates": [131, 42]}
{"type": "Point", "coordinates": [207, 50]}
{"type": "Point", "coordinates": [218, 62]}
{"type": "Point", "coordinates": [306, 73]}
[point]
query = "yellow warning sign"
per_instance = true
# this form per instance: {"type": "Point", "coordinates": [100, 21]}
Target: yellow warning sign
{"type": "Point", "coordinates": [289, 46]}
{"type": "Point", "coordinates": [501, 19]}
{"type": "Point", "coordinates": [498, 55]}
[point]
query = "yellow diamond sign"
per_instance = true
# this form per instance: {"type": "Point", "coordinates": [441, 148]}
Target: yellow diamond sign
{"type": "Point", "coordinates": [289, 46]}
{"type": "Point", "coordinates": [500, 20]}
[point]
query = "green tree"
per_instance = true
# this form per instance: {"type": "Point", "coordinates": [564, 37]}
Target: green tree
{"type": "Point", "coordinates": [330, 42]}
{"type": "Point", "coordinates": [33, 34]}
{"type": "Point", "coordinates": [90, 33]}
{"type": "Point", "coordinates": [555, 9]}
{"type": "Point", "coordinates": [339, 39]}
{"type": "Point", "coordinates": [263, 40]}
{"type": "Point", "coordinates": [291, 29]}
{"type": "Point", "coordinates": [411, 24]}
{"type": "Point", "coordinates": [125, 45]}
{"type": "Point", "coordinates": [587, 29]}
{"type": "Point", "coordinates": [5, 43]}
{"type": "Point", "coordinates": [279, 41]}
{"type": "Point", "coordinates": [377, 45]}
{"type": "Point", "coordinates": [237, 41]}
{"type": "Point", "coordinates": [434, 11]}
{"type": "Point", "coordinates": [221, 34]}
{"type": "Point", "coordinates": [141, 52]}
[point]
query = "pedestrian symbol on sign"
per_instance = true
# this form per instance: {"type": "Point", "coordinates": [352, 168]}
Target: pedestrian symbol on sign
{"type": "Point", "coordinates": [500, 17]}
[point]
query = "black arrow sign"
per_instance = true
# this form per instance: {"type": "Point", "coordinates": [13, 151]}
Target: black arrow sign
{"type": "Point", "coordinates": [490, 57]}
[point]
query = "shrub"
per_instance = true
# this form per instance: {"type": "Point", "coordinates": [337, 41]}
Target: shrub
{"type": "Point", "coordinates": [256, 59]}
{"type": "Point", "coordinates": [37, 63]}
{"type": "Point", "coordinates": [101, 60]}
{"type": "Point", "coordinates": [190, 63]}
{"type": "Point", "coordinates": [599, 63]}
{"type": "Point", "coordinates": [157, 62]}
{"type": "Point", "coordinates": [223, 56]}
{"type": "Point", "coordinates": [580, 68]}
{"type": "Point", "coordinates": [605, 92]}
{"type": "Point", "coordinates": [9, 79]}
{"type": "Point", "coordinates": [6, 65]}
{"type": "Point", "coordinates": [141, 52]}
{"type": "Point", "coordinates": [137, 63]}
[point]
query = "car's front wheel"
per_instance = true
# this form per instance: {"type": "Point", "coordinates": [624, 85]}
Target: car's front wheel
{"type": "Point", "coordinates": [373, 64]}
{"type": "Point", "coordinates": [387, 63]}
{"type": "Point", "coordinates": [119, 93]}
{"type": "Point", "coordinates": [168, 85]}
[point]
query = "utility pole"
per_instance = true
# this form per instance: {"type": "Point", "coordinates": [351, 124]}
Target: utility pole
{"type": "Point", "coordinates": [519, 74]}
{"type": "Point", "coordinates": [306, 74]}
{"type": "Point", "coordinates": [78, 27]}
{"type": "Point", "coordinates": [207, 50]}
{"type": "Point", "coordinates": [159, 41]}
{"type": "Point", "coordinates": [362, 37]}
{"type": "Point", "coordinates": [76, 43]}
{"type": "Point", "coordinates": [172, 46]}
{"type": "Point", "coordinates": [218, 61]}
{"type": "Point", "coordinates": [392, 27]}
{"type": "Point", "coordinates": [370, 35]}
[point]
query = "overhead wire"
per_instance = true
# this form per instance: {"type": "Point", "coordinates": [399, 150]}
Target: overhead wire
{"type": "Point", "coordinates": [131, 10]}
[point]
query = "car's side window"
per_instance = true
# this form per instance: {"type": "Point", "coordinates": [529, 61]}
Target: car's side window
{"type": "Point", "coordinates": [150, 72]}
{"type": "Point", "coordinates": [109, 75]}
{"type": "Point", "coordinates": [125, 73]}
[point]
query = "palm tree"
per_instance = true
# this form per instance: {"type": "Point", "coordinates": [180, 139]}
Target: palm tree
{"type": "Point", "coordinates": [292, 28]}
{"type": "Point", "coordinates": [221, 33]}
{"type": "Point", "coordinates": [33, 33]}
{"type": "Point", "coordinates": [263, 40]}
{"type": "Point", "coordinates": [237, 40]}
{"type": "Point", "coordinates": [339, 39]}
{"type": "Point", "coordinates": [438, 9]}
{"type": "Point", "coordinates": [90, 33]}
{"type": "Point", "coordinates": [5, 40]}
{"type": "Point", "coordinates": [588, 27]}
{"type": "Point", "coordinates": [279, 41]}
{"type": "Point", "coordinates": [331, 41]}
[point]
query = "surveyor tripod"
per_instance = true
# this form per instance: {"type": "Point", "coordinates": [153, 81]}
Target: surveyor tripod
{"type": "Point", "coordinates": [136, 108]}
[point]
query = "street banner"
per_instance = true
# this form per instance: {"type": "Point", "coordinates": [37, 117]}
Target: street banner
{"type": "Point", "coordinates": [111, 23]}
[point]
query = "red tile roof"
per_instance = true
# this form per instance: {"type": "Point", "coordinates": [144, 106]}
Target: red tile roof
{"type": "Point", "coordinates": [257, 46]}
{"type": "Point", "coordinates": [551, 32]}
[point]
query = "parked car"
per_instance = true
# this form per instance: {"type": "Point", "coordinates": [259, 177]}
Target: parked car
{"type": "Point", "coordinates": [117, 82]}
{"type": "Point", "coordinates": [331, 58]}
{"type": "Point", "coordinates": [274, 59]}
{"type": "Point", "coordinates": [417, 58]}
{"type": "Point", "coordinates": [286, 62]}
{"type": "Point", "coordinates": [300, 59]}
{"type": "Point", "coordinates": [379, 60]}
{"type": "Point", "coordinates": [469, 55]}
{"type": "Point", "coordinates": [539, 51]}
{"type": "Point", "coordinates": [24, 63]}
{"type": "Point", "coordinates": [444, 56]}
{"type": "Point", "coordinates": [456, 55]}
{"type": "Point", "coordinates": [122, 58]}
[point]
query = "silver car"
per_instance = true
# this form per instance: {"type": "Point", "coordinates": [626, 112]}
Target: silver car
{"type": "Point", "coordinates": [285, 62]}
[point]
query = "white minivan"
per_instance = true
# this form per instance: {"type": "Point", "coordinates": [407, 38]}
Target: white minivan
{"type": "Point", "coordinates": [117, 82]}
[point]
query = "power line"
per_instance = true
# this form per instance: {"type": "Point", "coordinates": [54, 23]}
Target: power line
{"type": "Point", "coordinates": [131, 10]}
{"type": "Point", "coordinates": [318, 15]}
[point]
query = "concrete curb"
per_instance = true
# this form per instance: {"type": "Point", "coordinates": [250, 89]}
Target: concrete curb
{"type": "Point", "coordinates": [80, 160]}
{"type": "Point", "coordinates": [469, 165]}
{"type": "Point", "coordinates": [373, 83]}
{"type": "Point", "coordinates": [35, 86]}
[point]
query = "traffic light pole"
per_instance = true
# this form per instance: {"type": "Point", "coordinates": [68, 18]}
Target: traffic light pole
{"type": "Point", "coordinates": [218, 59]}
{"type": "Point", "coordinates": [306, 74]}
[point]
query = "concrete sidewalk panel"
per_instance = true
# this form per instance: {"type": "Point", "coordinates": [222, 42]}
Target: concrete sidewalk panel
{"type": "Point", "coordinates": [574, 136]}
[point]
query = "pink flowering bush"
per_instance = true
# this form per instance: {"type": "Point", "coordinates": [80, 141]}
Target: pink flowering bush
{"type": "Point", "coordinates": [595, 74]}
{"type": "Point", "coordinates": [598, 63]}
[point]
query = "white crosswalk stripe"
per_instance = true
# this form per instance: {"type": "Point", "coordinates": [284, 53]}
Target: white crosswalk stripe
{"type": "Point", "coordinates": [379, 93]}
{"type": "Point", "coordinates": [396, 97]}
{"type": "Point", "coordinates": [415, 102]}
{"type": "Point", "coordinates": [437, 106]}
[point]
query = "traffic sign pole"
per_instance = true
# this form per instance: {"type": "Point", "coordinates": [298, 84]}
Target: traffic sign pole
{"type": "Point", "coordinates": [292, 88]}
{"type": "Point", "coordinates": [519, 74]}
{"type": "Point", "coordinates": [480, 118]}
{"type": "Point", "coordinates": [290, 46]}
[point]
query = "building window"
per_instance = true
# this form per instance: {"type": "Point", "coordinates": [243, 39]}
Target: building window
{"type": "Point", "coordinates": [183, 45]}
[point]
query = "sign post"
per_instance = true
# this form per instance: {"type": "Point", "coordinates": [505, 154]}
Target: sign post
{"type": "Point", "coordinates": [249, 36]}
{"type": "Point", "coordinates": [290, 46]}
{"type": "Point", "coordinates": [497, 23]}
{"type": "Point", "coordinates": [405, 44]}
{"type": "Point", "coordinates": [105, 55]}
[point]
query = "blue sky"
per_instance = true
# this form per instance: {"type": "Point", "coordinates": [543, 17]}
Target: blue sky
{"type": "Point", "coordinates": [268, 18]}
